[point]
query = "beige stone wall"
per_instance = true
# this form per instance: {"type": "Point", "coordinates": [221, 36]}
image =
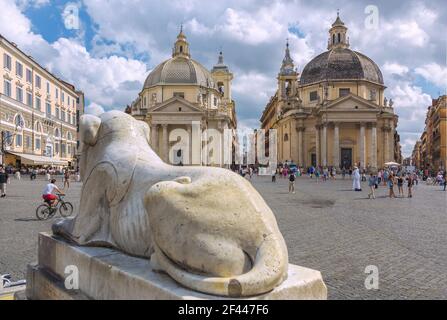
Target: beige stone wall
{"type": "Point", "coordinates": [360, 88]}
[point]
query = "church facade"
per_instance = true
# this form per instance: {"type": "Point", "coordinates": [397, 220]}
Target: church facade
{"type": "Point", "coordinates": [334, 113]}
{"type": "Point", "coordinates": [181, 100]}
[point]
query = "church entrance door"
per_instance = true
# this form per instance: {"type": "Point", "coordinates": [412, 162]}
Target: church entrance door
{"type": "Point", "coordinates": [346, 158]}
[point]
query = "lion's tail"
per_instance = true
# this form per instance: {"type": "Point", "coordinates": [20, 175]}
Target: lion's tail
{"type": "Point", "coordinates": [268, 271]}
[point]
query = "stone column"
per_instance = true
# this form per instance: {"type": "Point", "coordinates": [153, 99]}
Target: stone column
{"type": "Point", "coordinates": [189, 129]}
{"type": "Point", "coordinates": [165, 143]}
{"type": "Point", "coordinates": [362, 145]}
{"type": "Point", "coordinates": [336, 146]}
{"type": "Point", "coordinates": [154, 137]}
{"type": "Point", "coordinates": [373, 147]}
{"type": "Point", "coordinates": [324, 146]}
{"type": "Point", "coordinates": [386, 139]}
{"type": "Point", "coordinates": [300, 146]}
{"type": "Point", "coordinates": [391, 141]}
{"type": "Point", "coordinates": [317, 145]}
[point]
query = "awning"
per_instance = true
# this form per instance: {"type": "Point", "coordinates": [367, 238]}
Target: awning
{"type": "Point", "coordinates": [32, 159]}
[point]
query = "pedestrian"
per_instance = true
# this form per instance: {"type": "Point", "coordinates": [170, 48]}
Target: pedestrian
{"type": "Point", "coordinates": [444, 179]}
{"type": "Point", "coordinates": [391, 185]}
{"type": "Point", "coordinates": [17, 174]}
{"type": "Point", "coordinates": [3, 180]}
{"type": "Point", "coordinates": [325, 174]}
{"type": "Point", "coordinates": [292, 182]}
{"type": "Point", "coordinates": [343, 173]}
{"type": "Point", "coordinates": [48, 175]}
{"type": "Point", "coordinates": [273, 175]}
{"type": "Point", "coordinates": [363, 175]}
{"type": "Point", "coordinates": [67, 178]}
{"type": "Point", "coordinates": [410, 181]}
{"type": "Point", "coordinates": [285, 172]}
{"type": "Point", "coordinates": [400, 185]}
{"type": "Point", "coordinates": [372, 183]}
{"type": "Point", "coordinates": [356, 179]}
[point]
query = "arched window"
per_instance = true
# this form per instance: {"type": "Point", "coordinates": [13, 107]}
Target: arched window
{"type": "Point", "coordinates": [333, 38]}
{"type": "Point", "coordinates": [339, 38]}
{"type": "Point", "coordinates": [181, 49]}
{"type": "Point", "coordinates": [69, 136]}
{"type": "Point", "coordinates": [286, 137]}
{"type": "Point", "coordinates": [57, 133]}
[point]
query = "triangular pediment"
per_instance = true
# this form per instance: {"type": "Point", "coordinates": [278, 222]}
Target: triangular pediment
{"type": "Point", "coordinates": [352, 102]}
{"type": "Point", "coordinates": [176, 105]}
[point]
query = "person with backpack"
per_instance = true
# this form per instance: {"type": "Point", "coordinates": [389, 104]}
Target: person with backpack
{"type": "Point", "coordinates": [292, 182]}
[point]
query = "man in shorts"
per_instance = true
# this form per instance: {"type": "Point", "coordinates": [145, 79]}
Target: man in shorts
{"type": "Point", "coordinates": [48, 193]}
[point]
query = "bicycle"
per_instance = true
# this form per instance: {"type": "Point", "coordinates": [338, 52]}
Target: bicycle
{"type": "Point", "coordinates": [46, 211]}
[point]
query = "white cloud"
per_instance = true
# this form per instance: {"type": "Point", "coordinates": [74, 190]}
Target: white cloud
{"type": "Point", "coordinates": [434, 73]}
{"type": "Point", "coordinates": [32, 3]}
{"type": "Point", "coordinates": [110, 81]}
{"type": "Point", "coordinates": [411, 32]}
{"type": "Point", "coordinates": [257, 86]}
{"type": "Point", "coordinates": [406, 95]}
{"type": "Point", "coordinates": [94, 109]}
{"type": "Point", "coordinates": [395, 68]}
{"type": "Point", "coordinates": [198, 28]}
{"type": "Point", "coordinates": [251, 29]}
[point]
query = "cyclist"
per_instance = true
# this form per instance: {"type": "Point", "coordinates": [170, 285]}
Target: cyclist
{"type": "Point", "coordinates": [48, 193]}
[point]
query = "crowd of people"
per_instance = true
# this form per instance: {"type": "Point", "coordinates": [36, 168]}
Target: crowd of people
{"type": "Point", "coordinates": [391, 177]}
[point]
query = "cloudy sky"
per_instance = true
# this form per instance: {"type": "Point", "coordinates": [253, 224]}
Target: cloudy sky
{"type": "Point", "coordinates": [116, 43]}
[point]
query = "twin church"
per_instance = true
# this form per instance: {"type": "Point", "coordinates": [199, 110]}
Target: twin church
{"type": "Point", "coordinates": [332, 114]}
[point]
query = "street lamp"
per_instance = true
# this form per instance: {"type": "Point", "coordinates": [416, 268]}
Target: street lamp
{"type": "Point", "coordinates": [7, 140]}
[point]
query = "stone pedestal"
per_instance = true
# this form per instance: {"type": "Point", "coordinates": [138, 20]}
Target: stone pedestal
{"type": "Point", "coordinates": [109, 274]}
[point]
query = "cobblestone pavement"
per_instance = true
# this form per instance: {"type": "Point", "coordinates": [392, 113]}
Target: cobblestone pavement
{"type": "Point", "coordinates": [335, 230]}
{"type": "Point", "coordinates": [327, 227]}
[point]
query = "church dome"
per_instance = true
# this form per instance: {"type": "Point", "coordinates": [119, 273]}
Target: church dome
{"type": "Point", "coordinates": [338, 64]}
{"type": "Point", "coordinates": [180, 70]}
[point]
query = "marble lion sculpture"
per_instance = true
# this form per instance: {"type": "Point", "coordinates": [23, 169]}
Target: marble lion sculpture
{"type": "Point", "coordinates": [207, 228]}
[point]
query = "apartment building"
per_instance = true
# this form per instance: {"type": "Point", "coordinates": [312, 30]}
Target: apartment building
{"type": "Point", "coordinates": [39, 113]}
{"type": "Point", "coordinates": [430, 152]}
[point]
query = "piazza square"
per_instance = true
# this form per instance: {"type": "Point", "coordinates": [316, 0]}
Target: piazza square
{"type": "Point", "coordinates": [235, 154]}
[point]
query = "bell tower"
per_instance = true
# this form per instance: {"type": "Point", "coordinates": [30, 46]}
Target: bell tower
{"type": "Point", "coordinates": [287, 77]}
{"type": "Point", "coordinates": [222, 76]}
{"type": "Point", "coordinates": [337, 35]}
{"type": "Point", "coordinates": [287, 84]}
